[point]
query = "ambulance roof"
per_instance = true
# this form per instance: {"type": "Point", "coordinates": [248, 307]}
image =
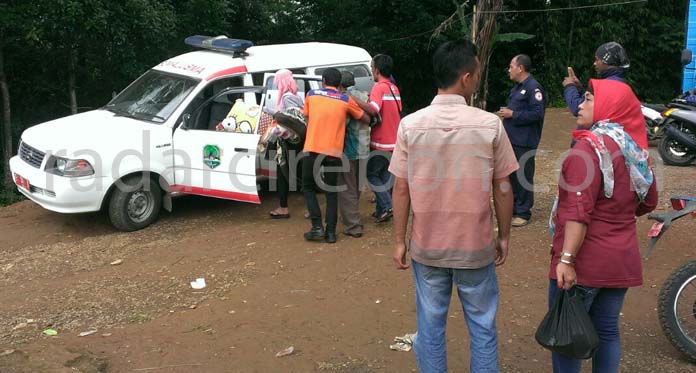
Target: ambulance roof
{"type": "Point", "coordinates": [207, 64]}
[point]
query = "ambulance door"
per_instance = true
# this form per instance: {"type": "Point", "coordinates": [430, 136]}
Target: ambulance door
{"type": "Point", "coordinates": [215, 146]}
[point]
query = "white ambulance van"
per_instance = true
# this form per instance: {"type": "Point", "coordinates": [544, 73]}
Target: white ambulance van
{"type": "Point", "coordinates": [161, 135]}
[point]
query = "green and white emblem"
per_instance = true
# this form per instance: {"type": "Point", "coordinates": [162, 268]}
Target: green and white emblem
{"type": "Point", "coordinates": [211, 156]}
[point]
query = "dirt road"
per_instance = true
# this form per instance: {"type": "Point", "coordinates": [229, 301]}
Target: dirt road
{"type": "Point", "coordinates": [267, 289]}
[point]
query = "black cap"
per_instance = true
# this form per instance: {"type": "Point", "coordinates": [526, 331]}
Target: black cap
{"type": "Point", "coordinates": [613, 54]}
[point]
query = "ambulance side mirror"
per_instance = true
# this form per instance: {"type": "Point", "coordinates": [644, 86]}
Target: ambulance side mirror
{"type": "Point", "coordinates": [186, 119]}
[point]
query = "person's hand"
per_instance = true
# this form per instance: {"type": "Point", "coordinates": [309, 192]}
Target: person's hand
{"type": "Point", "coordinates": [568, 81]}
{"type": "Point", "coordinates": [399, 257]}
{"type": "Point", "coordinates": [565, 276]}
{"type": "Point", "coordinates": [505, 113]}
{"type": "Point", "coordinates": [571, 79]}
{"type": "Point", "coordinates": [501, 251]}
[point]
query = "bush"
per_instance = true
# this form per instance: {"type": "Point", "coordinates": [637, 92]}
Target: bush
{"type": "Point", "coordinates": [9, 196]}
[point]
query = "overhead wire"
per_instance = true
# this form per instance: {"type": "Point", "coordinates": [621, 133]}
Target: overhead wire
{"type": "Point", "coordinates": [528, 11]}
{"type": "Point", "coordinates": [560, 9]}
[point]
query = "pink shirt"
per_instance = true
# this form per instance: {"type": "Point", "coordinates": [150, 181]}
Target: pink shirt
{"type": "Point", "coordinates": [386, 99]}
{"type": "Point", "coordinates": [609, 255]}
{"type": "Point", "coordinates": [449, 153]}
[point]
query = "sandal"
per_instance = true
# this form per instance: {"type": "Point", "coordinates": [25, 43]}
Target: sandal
{"type": "Point", "coordinates": [275, 215]}
{"type": "Point", "coordinates": [386, 216]}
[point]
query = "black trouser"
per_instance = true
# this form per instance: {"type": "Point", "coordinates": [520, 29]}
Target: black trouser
{"type": "Point", "coordinates": [523, 182]}
{"type": "Point", "coordinates": [285, 173]}
{"type": "Point", "coordinates": [283, 184]}
{"type": "Point", "coordinates": [311, 181]}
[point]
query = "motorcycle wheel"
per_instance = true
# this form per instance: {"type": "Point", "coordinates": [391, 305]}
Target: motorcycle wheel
{"type": "Point", "coordinates": [673, 153]}
{"type": "Point", "coordinates": [677, 309]}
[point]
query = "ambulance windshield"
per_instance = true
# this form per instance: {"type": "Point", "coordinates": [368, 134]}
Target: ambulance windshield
{"type": "Point", "coordinates": [153, 97]}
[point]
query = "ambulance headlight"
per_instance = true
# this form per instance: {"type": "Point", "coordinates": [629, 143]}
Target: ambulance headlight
{"type": "Point", "coordinates": [69, 167]}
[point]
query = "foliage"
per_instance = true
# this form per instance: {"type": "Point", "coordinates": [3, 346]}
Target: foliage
{"type": "Point", "coordinates": [8, 197]}
{"type": "Point", "coordinates": [114, 42]}
{"type": "Point", "coordinates": [512, 36]}
{"type": "Point", "coordinates": [651, 32]}
{"type": "Point", "coordinates": [107, 44]}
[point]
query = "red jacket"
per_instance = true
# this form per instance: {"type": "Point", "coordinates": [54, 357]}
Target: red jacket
{"type": "Point", "coordinates": [609, 256]}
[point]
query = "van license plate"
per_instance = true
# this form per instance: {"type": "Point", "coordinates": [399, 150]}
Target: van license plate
{"type": "Point", "coordinates": [655, 229]}
{"type": "Point", "coordinates": [22, 182]}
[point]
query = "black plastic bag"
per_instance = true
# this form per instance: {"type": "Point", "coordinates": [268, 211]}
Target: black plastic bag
{"type": "Point", "coordinates": [567, 328]}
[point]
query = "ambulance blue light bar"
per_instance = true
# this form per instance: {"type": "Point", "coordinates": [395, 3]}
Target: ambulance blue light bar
{"type": "Point", "coordinates": [219, 43]}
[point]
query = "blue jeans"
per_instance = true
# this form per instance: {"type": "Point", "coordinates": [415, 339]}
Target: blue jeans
{"type": "Point", "coordinates": [478, 292]}
{"type": "Point", "coordinates": [380, 179]}
{"type": "Point", "coordinates": [604, 306]}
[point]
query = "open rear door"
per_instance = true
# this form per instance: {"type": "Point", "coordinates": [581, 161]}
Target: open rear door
{"type": "Point", "coordinates": [270, 98]}
{"type": "Point", "coordinates": [304, 84]}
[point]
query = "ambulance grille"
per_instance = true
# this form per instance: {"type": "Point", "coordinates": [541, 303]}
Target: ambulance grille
{"type": "Point", "coordinates": [31, 155]}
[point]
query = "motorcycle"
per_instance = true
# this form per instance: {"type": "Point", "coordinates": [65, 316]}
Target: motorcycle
{"type": "Point", "coordinates": [677, 300]}
{"type": "Point", "coordinates": [655, 114]}
{"type": "Point", "coordinates": [653, 119]}
{"type": "Point", "coordinates": [659, 119]}
{"type": "Point", "coordinates": [678, 145]}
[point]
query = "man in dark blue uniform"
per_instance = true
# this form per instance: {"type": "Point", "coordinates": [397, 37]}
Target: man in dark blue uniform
{"type": "Point", "coordinates": [523, 119]}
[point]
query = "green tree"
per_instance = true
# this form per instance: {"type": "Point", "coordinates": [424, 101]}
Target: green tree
{"type": "Point", "coordinates": [62, 56]}
{"type": "Point", "coordinates": [400, 29]}
{"type": "Point", "coordinates": [651, 32]}
{"type": "Point", "coordinates": [90, 38]}
{"type": "Point", "coordinates": [12, 31]}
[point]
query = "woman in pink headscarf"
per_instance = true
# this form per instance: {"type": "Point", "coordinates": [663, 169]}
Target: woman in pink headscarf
{"type": "Point", "coordinates": [287, 90]}
{"type": "Point", "coordinates": [287, 98]}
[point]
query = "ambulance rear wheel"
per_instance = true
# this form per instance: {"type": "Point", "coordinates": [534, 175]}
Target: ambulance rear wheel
{"type": "Point", "coordinates": [135, 203]}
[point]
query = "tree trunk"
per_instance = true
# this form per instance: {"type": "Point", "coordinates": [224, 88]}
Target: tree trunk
{"type": "Point", "coordinates": [6, 124]}
{"type": "Point", "coordinates": [570, 36]}
{"type": "Point", "coordinates": [71, 81]}
{"type": "Point", "coordinates": [486, 24]}
{"type": "Point", "coordinates": [544, 52]}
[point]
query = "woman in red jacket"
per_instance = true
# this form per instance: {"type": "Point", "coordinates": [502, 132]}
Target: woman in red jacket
{"type": "Point", "coordinates": [605, 182]}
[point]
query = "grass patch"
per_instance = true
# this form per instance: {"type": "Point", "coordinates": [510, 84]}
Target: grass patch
{"type": "Point", "coordinates": [140, 318]}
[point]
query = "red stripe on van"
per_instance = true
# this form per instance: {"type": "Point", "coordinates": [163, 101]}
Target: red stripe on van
{"type": "Point", "coordinates": [235, 196]}
{"type": "Point", "coordinates": [230, 71]}
{"type": "Point", "coordinates": [265, 172]}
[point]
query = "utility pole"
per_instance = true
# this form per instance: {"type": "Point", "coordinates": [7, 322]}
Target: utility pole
{"type": "Point", "coordinates": [474, 25]}
{"type": "Point", "coordinates": [474, 29]}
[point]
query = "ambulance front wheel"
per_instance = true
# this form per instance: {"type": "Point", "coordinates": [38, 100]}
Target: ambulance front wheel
{"type": "Point", "coordinates": [135, 203]}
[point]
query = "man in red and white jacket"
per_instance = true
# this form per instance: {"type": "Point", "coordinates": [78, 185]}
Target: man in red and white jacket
{"type": "Point", "coordinates": [385, 99]}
